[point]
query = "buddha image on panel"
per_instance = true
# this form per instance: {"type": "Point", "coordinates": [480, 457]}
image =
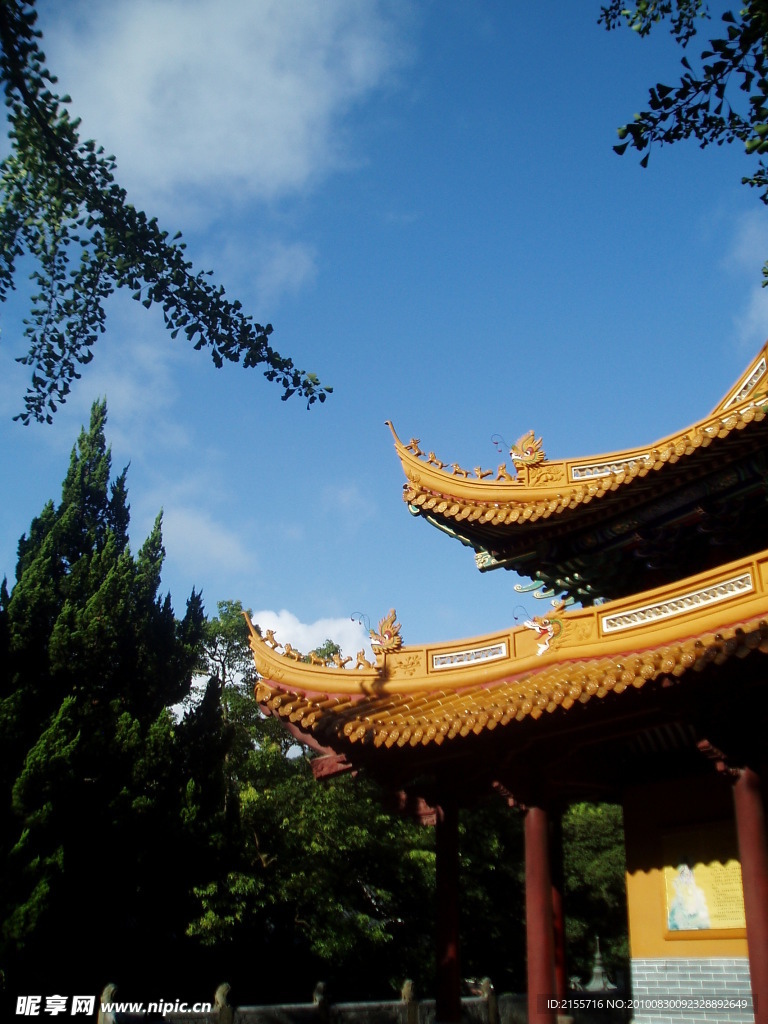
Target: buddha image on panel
{"type": "Point", "coordinates": [688, 910]}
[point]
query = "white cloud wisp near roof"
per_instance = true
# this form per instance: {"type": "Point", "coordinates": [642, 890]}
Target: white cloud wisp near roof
{"type": "Point", "coordinates": [348, 633]}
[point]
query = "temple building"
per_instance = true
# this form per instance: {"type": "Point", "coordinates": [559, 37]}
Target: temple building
{"type": "Point", "coordinates": [642, 682]}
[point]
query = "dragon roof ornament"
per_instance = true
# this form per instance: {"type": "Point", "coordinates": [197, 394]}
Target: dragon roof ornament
{"type": "Point", "coordinates": [538, 487]}
{"type": "Point", "coordinates": [729, 595]}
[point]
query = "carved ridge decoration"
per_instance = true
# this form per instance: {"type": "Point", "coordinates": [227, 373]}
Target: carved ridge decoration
{"type": "Point", "coordinates": [578, 634]}
{"type": "Point", "coordinates": [470, 656]}
{"type": "Point", "coordinates": [388, 640]}
{"type": "Point", "coordinates": [405, 667]}
{"type": "Point", "coordinates": [526, 453]}
{"type": "Point", "coordinates": [542, 487]}
{"type": "Point", "coordinates": [548, 473]}
{"type": "Point", "coordinates": [594, 477]}
{"type": "Point", "coordinates": [748, 384]}
{"type": "Point", "coordinates": [722, 591]}
{"type": "Point", "coordinates": [609, 467]}
{"type": "Point", "coordinates": [427, 717]}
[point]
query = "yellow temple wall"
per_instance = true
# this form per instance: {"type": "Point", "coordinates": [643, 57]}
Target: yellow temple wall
{"type": "Point", "coordinates": [669, 826]}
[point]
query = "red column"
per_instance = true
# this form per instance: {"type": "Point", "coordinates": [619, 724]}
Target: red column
{"type": "Point", "coordinates": [448, 987]}
{"type": "Point", "coordinates": [753, 852]}
{"type": "Point", "coordinates": [538, 917]}
{"type": "Point", "coordinates": [558, 912]}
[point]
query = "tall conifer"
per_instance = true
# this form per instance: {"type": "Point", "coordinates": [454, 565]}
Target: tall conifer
{"type": "Point", "coordinates": [93, 795]}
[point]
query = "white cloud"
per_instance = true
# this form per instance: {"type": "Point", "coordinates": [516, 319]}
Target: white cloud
{"type": "Point", "coordinates": [138, 376]}
{"type": "Point", "coordinates": [248, 97]}
{"type": "Point", "coordinates": [348, 502]}
{"type": "Point", "coordinates": [141, 392]}
{"type": "Point", "coordinates": [751, 323]}
{"type": "Point", "coordinates": [197, 540]}
{"type": "Point", "coordinates": [747, 250]}
{"type": "Point", "coordinates": [284, 267]}
{"type": "Point", "coordinates": [347, 633]}
{"type": "Point", "coordinates": [747, 254]}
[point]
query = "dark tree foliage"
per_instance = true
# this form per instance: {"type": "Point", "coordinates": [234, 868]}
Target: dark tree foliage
{"type": "Point", "coordinates": [493, 892]}
{"type": "Point", "coordinates": [322, 876]}
{"type": "Point", "coordinates": [172, 854]}
{"type": "Point", "coordinates": [61, 206]}
{"type": "Point", "coordinates": [318, 876]}
{"type": "Point", "coordinates": [96, 792]}
{"type": "Point", "coordinates": [326, 650]}
{"type": "Point", "coordinates": [492, 907]}
{"type": "Point", "coordinates": [594, 866]}
{"type": "Point", "coordinates": [721, 100]}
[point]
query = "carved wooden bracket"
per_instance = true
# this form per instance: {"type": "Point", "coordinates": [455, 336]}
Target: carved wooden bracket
{"type": "Point", "coordinates": [718, 759]}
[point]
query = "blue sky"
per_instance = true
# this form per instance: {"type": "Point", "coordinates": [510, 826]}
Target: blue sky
{"type": "Point", "coordinates": [422, 197]}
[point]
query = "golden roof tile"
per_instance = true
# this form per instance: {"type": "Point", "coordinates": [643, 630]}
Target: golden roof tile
{"type": "Point", "coordinates": [385, 721]}
{"type": "Point", "coordinates": [546, 517]}
{"type": "Point", "coordinates": [419, 696]}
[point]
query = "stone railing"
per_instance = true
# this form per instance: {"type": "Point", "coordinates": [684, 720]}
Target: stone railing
{"type": "Point", "coordinates": [486, 1008]}
{"type": "Point", "coordinates": [489, 1008]}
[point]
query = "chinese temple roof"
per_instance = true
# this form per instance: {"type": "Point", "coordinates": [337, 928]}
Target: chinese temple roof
{"type": "Point", "coordinates": [430, 703]}
{"type": "Point", "coordinates": [609, 525]}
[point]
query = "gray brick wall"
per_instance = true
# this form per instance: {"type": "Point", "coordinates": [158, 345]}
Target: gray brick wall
{"type": "Point", "coordinates": [716, 977]}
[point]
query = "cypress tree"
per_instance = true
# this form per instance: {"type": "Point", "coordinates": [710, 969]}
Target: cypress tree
{"type": "Point", "coordinates": [94, 798]}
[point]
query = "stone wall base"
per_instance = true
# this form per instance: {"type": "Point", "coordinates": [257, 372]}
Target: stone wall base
{"type": "Point", "coordinates": [672, 978]}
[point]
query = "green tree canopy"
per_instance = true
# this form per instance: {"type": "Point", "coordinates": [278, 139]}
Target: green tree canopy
{"type": "Point", "coordinates": [324, 877]}
{"type": "Point", "coordinates": [594, 866]}
{"type": "Point", "coordinates": [722, 99]}
{"type": "Point", "coordinates": [61, 206]}
{"type": "Point", "coordinates": [96, 791]}
{"type": "Point", "coordinates": [318, 876]}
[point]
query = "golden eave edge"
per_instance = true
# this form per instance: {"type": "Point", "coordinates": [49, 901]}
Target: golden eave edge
{"type": "Point", "coordinates": [707, 602]}
{"type": "Point", "coordinates": [569, 481]}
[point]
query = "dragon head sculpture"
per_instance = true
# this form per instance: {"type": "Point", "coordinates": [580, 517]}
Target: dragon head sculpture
{"type": "Point", "coordinates": [388, 638]}
{"type": "Point", "coordinates": [528, 450]}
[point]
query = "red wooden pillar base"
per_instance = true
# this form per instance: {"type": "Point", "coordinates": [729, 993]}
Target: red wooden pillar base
{"type": "Point", "coordinates": [558, 911]}
{"type": "Point", "coordinates": [753, 851]}
{"type": "Point", "coordinates": [448, 981]}
{"type": "Point", "coordinates": [538, 917]}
